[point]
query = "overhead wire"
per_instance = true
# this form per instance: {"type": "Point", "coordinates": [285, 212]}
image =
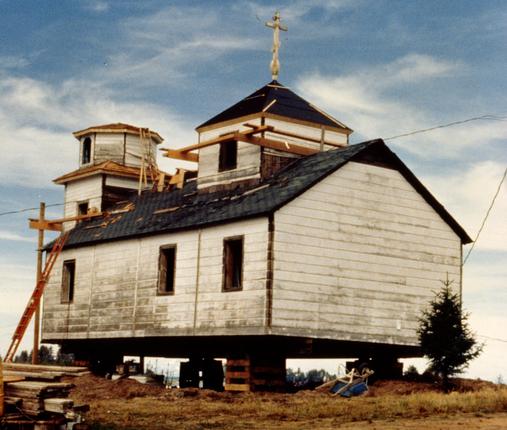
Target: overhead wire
{"type": "Point", "coordinates": [490, 117]}
{"type": "Point", "coordinates": [487, 117]}
{"type": "Point", "coordinates": [47, 206]}
{"type": "Point", "coordinates": [486, 216]}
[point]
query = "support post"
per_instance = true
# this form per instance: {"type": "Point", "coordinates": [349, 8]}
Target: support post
{"type": "Point", "coordinates": [36, 321]}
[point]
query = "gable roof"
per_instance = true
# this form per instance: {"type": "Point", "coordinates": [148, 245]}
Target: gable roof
{"type": "Point", "coordinates": [118, 127]}
{"type": "Point", "coordinates": [276, 99]}
{"type": "Point", "coordinates": [175, 210]}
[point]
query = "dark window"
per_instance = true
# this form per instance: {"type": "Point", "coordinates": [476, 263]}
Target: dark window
{"type": "Point", "coordinates": [233, 264]}
{"type": "Point", "coordinates": [68, 278]}
{"type": "Point", "coordinates": [82, 208]}
{"type": "Point", "coordinates": [228, 157]}
{"type": "Point", "coordinates": [87, 151]}
{"type": "Point", "coordinates": [166, 269]}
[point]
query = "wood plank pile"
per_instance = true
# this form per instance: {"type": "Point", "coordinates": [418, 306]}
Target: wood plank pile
{"type": "Point", "coordinates": [33, 394]}
{"type": "Point", "coordinates": [37, 389]}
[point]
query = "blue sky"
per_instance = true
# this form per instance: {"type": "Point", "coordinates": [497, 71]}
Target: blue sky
{"type": "Point", "coordinates": [382, 67]}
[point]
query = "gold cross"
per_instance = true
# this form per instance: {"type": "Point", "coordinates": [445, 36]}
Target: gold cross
{"type": "Point", "coordinates": [276, 26]}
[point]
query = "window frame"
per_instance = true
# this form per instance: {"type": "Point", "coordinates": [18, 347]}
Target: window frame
{"type": "Point", "coordinates": [225, 148]}
{"type": "Point", "coordinates": [68, 286]}
{"type": "Point", "coordinates": [225, 269]}
{"type": "Point", "coordinates": [162, 254]}
{"type": "Point", "coordinates": [79, 204]}
{"type": "Point", "coordinates": [86, 140]}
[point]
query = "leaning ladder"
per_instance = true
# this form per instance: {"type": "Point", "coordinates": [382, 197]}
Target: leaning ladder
{"type": "Point", "coordinates": [35, 298]}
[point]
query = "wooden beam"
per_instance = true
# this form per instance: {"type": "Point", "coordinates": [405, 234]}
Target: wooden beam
{"type": "Point", "coordinates": [178, 155]}
{"type": "Point", "coordinates": [276, 144]}
{"type": "Point", "coordinates": [225, 138]}
{"type": "Point", "coordinates": [310, 139]}
{"type": "Point", "coordinates": [56, 224]}
{"type": "Point", "coordinates": [44, 225]}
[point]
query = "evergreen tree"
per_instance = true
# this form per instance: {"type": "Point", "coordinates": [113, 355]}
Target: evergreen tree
{"type": "Point", "coordinates": [445, 337]}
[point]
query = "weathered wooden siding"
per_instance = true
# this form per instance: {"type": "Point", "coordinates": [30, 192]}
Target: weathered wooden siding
{"type": "Point", "coordinates": [134, 151]}
{"type": "Point", "coordinates": [85, 190]}
{"type": "Point", "coordinates": [358, 256]}
{"type": "Point", "coordinates": [108, 147]}
{"type": "Point", "coordinates": [249, 158]}
{"type": "Point", "coordinates": [306, 131]}
{"type": "Point", "coordinates": [116, 288]}
{"type": "Point", "coordinates": [121, 182]}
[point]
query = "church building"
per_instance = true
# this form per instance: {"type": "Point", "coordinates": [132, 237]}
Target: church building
{"type": "Point", "coordinates": [285, 242]}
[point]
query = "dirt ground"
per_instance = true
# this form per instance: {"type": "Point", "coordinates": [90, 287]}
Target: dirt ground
{"type": "Point", "coordinates": [127, 404]}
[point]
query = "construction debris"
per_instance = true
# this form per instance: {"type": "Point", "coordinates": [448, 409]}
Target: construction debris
{"type": "Point", "coordinates": [353, 383]}
{"type": "Point", "coordinates": [35, 393]}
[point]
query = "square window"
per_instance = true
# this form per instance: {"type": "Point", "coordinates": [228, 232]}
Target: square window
{"type": "Point", "coordinates": [68, 279]}
{"type": "Point", "coordinates": [166, 269]}
{"type": "Point", "coordinates": [82, 208]}
{"type": "Point", "coordinates": [233, 264]}
{"type": "Point", "coordinates": [228, 156]}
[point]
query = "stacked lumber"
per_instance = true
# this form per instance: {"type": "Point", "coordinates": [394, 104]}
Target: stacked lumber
{"type": "Point", "coordinates": [31, 395]}
{"type": "Point", "coordinates": [43, 369]}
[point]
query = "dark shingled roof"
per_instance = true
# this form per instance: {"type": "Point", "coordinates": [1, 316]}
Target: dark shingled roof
{"type": "Point", "coordinates": [287, 104]}
{"type": "Point", "coordinates": [187, 209]}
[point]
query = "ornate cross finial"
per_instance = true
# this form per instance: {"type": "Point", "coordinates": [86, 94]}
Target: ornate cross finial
{"type": "Point", "coordinates": [276, 26]}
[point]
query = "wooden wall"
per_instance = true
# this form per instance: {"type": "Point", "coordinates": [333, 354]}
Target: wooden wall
{"type": "Point", "coordinates": [116, 288]}
{"type": "Point", "coordinates": [306, 131]}
{"type": "Point", "coordinates": [108, 147]}
{"type": "Point", "coordinates": [87, 189]}
{"type": "Point", "coordinates": [249, 158]}
{"type": "Point", "coordinates": [358, 256]}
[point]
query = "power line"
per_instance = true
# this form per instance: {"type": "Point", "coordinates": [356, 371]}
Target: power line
{"type": "Point", "coordinates": [488, 117]}
{"type": "Point", "coordinates": [48, 206]}
{"type": "Point", "coordinates": [493, 338]}
{"type": "Point", "coordinates": [28, 209]}
{"type": "Point", "coordinates": [486, 216]}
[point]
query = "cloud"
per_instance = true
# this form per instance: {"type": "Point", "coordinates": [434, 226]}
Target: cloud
{"type": "Point", "coordinates": [467, 194]}
{"type": "Point", "coordinates": [371, 102]}
{"type": "Point", "coordinates": [13, 62]}
{"type": "Point", "coordinates": [170, 45]}
{"type": "Point", "coordinates": [295, 11]}
{"type": "Point", "coordinates": [14, 237]}
{"type": "Point", "coordinates": [96, 6]}
{"type": "Point", "coordinates": [40, 117]}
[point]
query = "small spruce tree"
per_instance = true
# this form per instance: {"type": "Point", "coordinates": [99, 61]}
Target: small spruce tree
{"type": "Point", "coordinates": [445, 337]}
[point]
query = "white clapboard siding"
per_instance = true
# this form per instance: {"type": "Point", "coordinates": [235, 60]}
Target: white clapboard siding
{"type": "Point", "coordinates": [358, 257]}
{"type": "Point", "coordinates": [108, 147]}
{"type": "Point", "coordinates": [117, 181]}
{"type": "Point", "coordinates": [85, 190]}
{"type": "Point", "coordinates": [116, 287]}
{"type": "Point", "coordinates": [249, 157]}
{"type": "Point", "coordinates": [334, 137]}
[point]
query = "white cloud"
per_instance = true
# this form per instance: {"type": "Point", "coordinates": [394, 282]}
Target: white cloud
{"type": "Point", "coordinates": [467, 194]}
{"type": "Point", "coordinates": [370, 102]}
{"type": "Point", "coordinates": [294, 11]}
{"type": "Point", "coordinates": [14, 237]}
{"type": "Point", "coordinates": [37, 119]}
{"type": "Point", "coordinates": [96, 6]}
{"type": "Point", "coordinates": [13, 62]}
{"type": "Point", "coordinates": [167, 46]}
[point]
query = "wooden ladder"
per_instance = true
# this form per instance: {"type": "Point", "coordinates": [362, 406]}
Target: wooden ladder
{"type": "Point", "coordinates": [35, 298]}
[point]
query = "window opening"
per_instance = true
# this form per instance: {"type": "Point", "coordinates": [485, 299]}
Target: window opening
{"type": "Point", "coordinates": [87, 151]}
{"type": "Point", "coordinates": [167, 269]}
{"type": "Point", "coordinates": [233, 264]}
{"type": "Point", "coordinates": [68, 279]}
{"type": "Point", "coordinates": [228, 157]}
{"type": "Point", "coordinates": [82, 208]}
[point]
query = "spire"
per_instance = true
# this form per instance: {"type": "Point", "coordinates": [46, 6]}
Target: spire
{"type": "Point", "coordinates": [276, 26]}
